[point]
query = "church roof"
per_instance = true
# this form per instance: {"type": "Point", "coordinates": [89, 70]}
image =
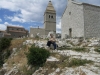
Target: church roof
{"type": "Point", "coordinates": [8, 26]}
{"type": "Point", "coordinates": [83, 3]}
{"type": "Point", "coordinates": [50, 8]}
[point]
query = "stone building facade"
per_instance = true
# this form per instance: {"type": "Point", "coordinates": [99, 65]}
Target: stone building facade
{"type": "Point", "coordinates": [80, 20]}
{"type": "Point", "coordinates": [35, 31]}
{"type": "Point", "coordinates": [2, 33]}
{"type": "Point", "coordinates": [49, 22]}
{"type": "Point", "coordinates": [17, 32]}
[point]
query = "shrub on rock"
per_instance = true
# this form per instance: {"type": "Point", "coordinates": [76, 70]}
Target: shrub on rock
{"type": "Point", "coordinates": [4, 43]}
{"type": "Point", "coordinates": [37, 56]}
{"type": "Point", "coordinates": [4, 52]}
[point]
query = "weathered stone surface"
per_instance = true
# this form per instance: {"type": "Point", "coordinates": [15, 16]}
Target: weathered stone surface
{"type": "Point", "coordinates": [29, 42]}
{"type": "Point", "coordinates": [82, 19]}
{"type": "Point", "coordinates": [14, 50]}
{"type": "Point", "coordinates": [52, 59]}
{"type": "Point", "coordinates": [2, 72]}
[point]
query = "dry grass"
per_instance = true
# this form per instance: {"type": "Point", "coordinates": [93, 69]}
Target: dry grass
{"type": "Point", "coordinates": [21, 54]}
{"type": "Point", "coordinates": [64, 62]}
{"type": "Point", "coordinates": [56, 55]}
{"type": "Point", "coordinates": [16, 43]}
{"type": "Point", "coordinates": [56, 64]}
{"type": "Point", "coordinates": [20, 57]}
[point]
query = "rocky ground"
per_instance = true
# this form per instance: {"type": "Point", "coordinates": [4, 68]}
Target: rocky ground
{"type": "Point", "coordinates": [60, 59]}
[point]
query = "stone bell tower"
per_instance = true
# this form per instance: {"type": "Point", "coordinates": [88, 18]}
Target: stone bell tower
{"type": "Point", "coordinates": [50, 19]}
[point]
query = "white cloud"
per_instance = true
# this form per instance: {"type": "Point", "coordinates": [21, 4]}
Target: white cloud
{"type": "Point", "coordinates": [0, 20]}
{"type": "Point", "coordinates": [30, 10]}
{"type": "Point", "coordinates": [33, 10]}
{"type": "Point", "coordinates": [2, 27]}
{"type": "Point", "coordinates": [17, 19]}
{"type": "Point", "coordinates": [58, 26]}
{"type": "Point", "coordinates": [8, 24]}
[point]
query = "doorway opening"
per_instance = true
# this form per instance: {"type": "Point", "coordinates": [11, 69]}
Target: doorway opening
{"type": "Point", "coordinates": [70, 32]}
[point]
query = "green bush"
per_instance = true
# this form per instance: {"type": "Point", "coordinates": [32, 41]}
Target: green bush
{"type": "Point", "coordinates": [4, 52]}
{"type": "Point", "coordinates": [7, 54]}
{"type": "Point", "coordinates": [3, 56]}
{"type": "Point", "coordinates": [64, 47]}
{"type": "Point", "coordinates": [10, 38]}
{"type": "Point", "coordinates": [1, 60]}
{"type": "Point", "coordinates": [37, 56]}
{"type": "Point", "coordinates": [25, 71]}
{"type": "Point", "coordinates": [4, 43]}
{"type": "Point", "coordinates": [79, 49]}
{"type": "Point", "coordinates": [78, 62]}
{"type": "Point", "coordinates": [97, 50]}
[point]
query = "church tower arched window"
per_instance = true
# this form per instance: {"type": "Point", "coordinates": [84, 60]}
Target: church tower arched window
{"type": "Point", "coordinates": [69, 13]}
{"type": "Point", "coordinates": [49, 16]}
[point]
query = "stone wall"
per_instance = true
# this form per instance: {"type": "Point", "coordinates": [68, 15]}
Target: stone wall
{"type": "Point", "coordinates": [34, 31]}
{"type": "Point", "coordinates": [50, 22]}
{"type": "Point", "coordinates": [50, 27]}
{"type": "Point", "coordinates": [91, 20]}
{"type": "Point", "coordinates": [17, 35]}
{"type": "Point", "coordinates": [1, 35]}
{"type": "Point", "coordinates": [73, 18]}
{"type": "Point", "coordinates": [16, 32]}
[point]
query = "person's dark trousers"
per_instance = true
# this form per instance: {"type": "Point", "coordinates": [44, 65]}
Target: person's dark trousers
{"type": "Point", "coordinates": [55, 45]}
{"type": "Point", "coordinates": [49, 43]}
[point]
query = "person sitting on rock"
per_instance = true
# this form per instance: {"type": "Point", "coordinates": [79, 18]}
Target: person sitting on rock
{"type": "Point", "coordinates": [52, 40]}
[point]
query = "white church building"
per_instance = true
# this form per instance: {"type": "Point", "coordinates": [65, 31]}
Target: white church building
{"type": "Point", "coordinates": [80, 20]}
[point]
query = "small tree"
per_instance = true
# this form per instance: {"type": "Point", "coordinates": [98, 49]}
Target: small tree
{"type": "Point", "coordinates": [4, 52]}
{"type": "Point", "coordinates": [37, 56]}
{"type": "Point", "coordinates": [1, 60]}
{"type": "Point", "coordinates": [4, 43]}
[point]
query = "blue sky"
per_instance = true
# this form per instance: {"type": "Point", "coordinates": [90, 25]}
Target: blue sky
{"type": "Point", "coordinates": [29, 13]}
